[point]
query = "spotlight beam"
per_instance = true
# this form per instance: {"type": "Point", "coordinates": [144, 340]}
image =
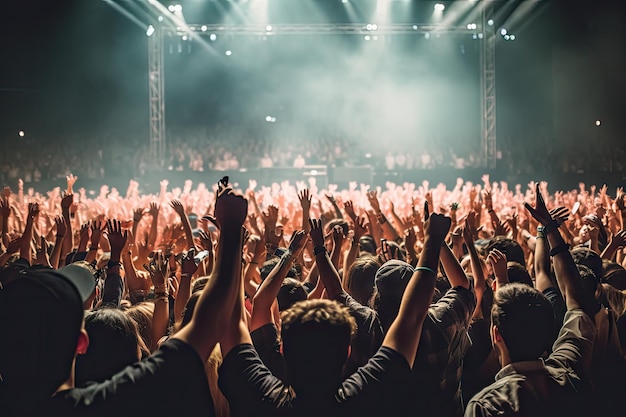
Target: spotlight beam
{"type": "Point", "coordinates": [127, 14]}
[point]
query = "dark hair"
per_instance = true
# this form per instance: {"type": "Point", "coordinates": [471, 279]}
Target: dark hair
{"type": "Point", "coordinates": [509, 247]}
{"type": "Point", "coordinates": [316, 335]}
{"type": "Point", "coordinates": [113, 345]}
{"type": "Point", "coordinates": [328, 227]}
{"type": "Point", "coordinates": [270, 264]}
{"type": "Point", "coordinates": [360, 278]}
{"type": "Point", "coordinates": [525, 320]}
{"type": "Point", "coordinates": [368, 245]}
{"type": "Point", "coordinates": [587, 257]}
{"type": "Point", "coordinates": [518, 273]}
{"type": "Point", "coordinates": [290, 292]}
{"type": "Point", "coordinates": [614, 274]}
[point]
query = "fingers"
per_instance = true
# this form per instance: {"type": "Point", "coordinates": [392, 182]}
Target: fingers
{"type": "Point", "coordinates": [426, 211]}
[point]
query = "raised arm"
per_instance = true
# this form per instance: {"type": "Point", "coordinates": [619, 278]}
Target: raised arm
{"type": "Point", "coordinates": [453, 268]}
{"type": "Point", "coordinates": [27, 236]}
{"type": "Point", "coordinates": [477, 268]}
{"type": "Point", "coordinates": [328, 274]}
{"type": "Point", "coordinates": [305, 203]}
{"type": "Point", "coordinates": [180, 210]}
{"type": "Point", "coordinates": [268, 291]}
{"type": "Point", "coordinates": [543, 279]}
{"type": "Point", "coordinates": [405, 331]}
{"type": "Point", "coordinates": [567, 275]}
{"type": "Point", "coordinates": [214, 313]}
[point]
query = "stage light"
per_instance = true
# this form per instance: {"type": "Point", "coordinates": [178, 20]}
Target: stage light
{"type": "Point", "coordinates": [21, 132]}
{"type": "Point", "coordinates": [512, 37]}
{"type": "Point", "coordinates": [480, 36]}
{"type": "Point", "coordinates": [150, 30]}
{"type": "Point", "coordinates": [160, 19]}
{"type": "Point", "coordinates": [598, 123]}
{"type": "Point", "coordinates": [268, 118]}
{"type": "Point", "coordinates": [344, 1]}
{"type": "Point", "coordinates": [414, 27]}
{"type": "Point", "coordinates": [427, 35]}
{"type": "Point", "coordinates": [503, 31]}
{"type": "Point", "coordinates": [178, 8]}
{"type": "Point", "coordinates": [171, 8]}
{"type": "Point", "coordinates": [268, 28]}
{"type": "Point", "coordinates": [440, 7]}
{"type": "Point", "coordinates": [367, 37]}
{"type": "Point", "coordinates": [490, 22]}
{"type": "Point", "coordinates": [185, 37]}
{"type": "Point", "coordinates": [213, 36]}
{"type": "Point", "coordinates": [228, 52]}
{"type": "Point", "coordinates": [472, 26]}
{"type": "Point", "coordinates": [204, 28]}
{"type": "Point", "coordinates": [507, 37]}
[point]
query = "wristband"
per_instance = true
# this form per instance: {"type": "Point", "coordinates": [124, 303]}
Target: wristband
{"type": "Point", "coordinates": [113, 264]}
{"type": "Point", "coordinates": [541, 232]}
{"type": "Point", "coordinates": [92, 248]}
{"type": "Point", "coordinates": [425, 268]}
{"type": "Point", "coordinates": [319, 249]}
{"type": "Point", "coordinates": [160, 294]}
{"type": "Point", "coordinates": [558, 249]}
{"type": "Point", "coordinates": [550, 227]}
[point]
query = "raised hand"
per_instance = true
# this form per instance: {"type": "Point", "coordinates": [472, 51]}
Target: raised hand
{"type": "Point", "coordinates": [230, 209]}
{"type": "Point", "coordinates": [487, 200]}
{"type": "Point", "coordinates": [96, 233]}
{"type": "Point", "coordinates": [436, 227]}
{"type": "Point", "coordinates": [618, 240]}
{"type": "Point", "coordinates": [154, 209]}
{"type": "Point", "coordinates": [117, 238]}
{"type": "Point", "coordinates": [5, 208]}
{"type": "Point", "coordinates": [188, 263]}
{"type": "Point", "coordinates": [305, 200]}
{"type": "Point", "coordinates": [540, 211]}
{"type": "Point", "coordinates": [178, 207]}
{"type": "Point", "coordinates": [410, 240]}
{"type": "Point", "coordinates": [348, 206]}
{"type": "Point", "coordinates": [66, 202]}
{"type": "Point", "coordinates": [317, 232]}
{"type": "Point", "coordinates": [138, 214]}
{"type": "Point", "coordinates": [71, 180]}
{"type": "Point", "coordinates": [206, 243]}
{"type": "Point", "coordinates": [338, 236]}
{"type": "Point", "coordinates": [14, 245]}
{"type": "Point", "coordinates": [372, 197]}
{"type": "Point", "coordinates": [33, 210]}
{"type": "Point", "coordinates": [298, 242]}
{"type": "Point", "coordinates": [498, 263]}
{"type": "Point", "coordinates": [158, 268]}
{"type": "Point", "coordinates": [41, 255]}
{"type": "Point", "coordinates": [61, 226]}
{"type": "Point", "coordinates": [360, 228]}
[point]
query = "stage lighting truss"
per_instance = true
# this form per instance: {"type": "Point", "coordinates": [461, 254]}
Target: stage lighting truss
{"type": "Point", "coordinates": [483, 32]}
{"type": "Point", "coordinates": [321, 29]}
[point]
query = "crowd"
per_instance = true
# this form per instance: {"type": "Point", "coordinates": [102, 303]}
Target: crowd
{"type": "Point", "coordinates": [479, 300]}
{"type": "Point", "coordinates": [223, 148]}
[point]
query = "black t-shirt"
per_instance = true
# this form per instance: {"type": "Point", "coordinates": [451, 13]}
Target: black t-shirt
{"type": "Point", "coordinates": [170, 382]}
{"type": "Point", "coordinates": [265, 341]}
{"type": "Point", "coordinates": [381, 387]}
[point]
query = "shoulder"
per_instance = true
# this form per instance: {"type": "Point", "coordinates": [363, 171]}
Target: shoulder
{"type": "Point", "coordinates": [385, 367]}
{"type": "Point", "coordinates": [494, 399]}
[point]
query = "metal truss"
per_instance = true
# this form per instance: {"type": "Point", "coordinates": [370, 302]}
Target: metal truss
{"type": "Point", "coordinates": [488, 88]}
{"type": "Point", "coordinates": [156, 80]}
{"type": "Point", "coordinates": [487, 64]}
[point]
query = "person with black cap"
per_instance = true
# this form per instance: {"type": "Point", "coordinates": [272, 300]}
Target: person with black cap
{"type": "Point", "coordinates": [41, 315]}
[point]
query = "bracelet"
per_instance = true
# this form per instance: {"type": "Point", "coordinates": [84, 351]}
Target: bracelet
{"type": "Point", "coordinates": [319, 249]}
{"type": "Point", "coordinates": [558, 249]}
{"type": "Point", "coordinates": [159, 288]}
{"type": "Point", "coordinates": [550, 227]}
{"type": "Point", "coordinates": [160, 295]}
{"type": "Point", "coordinates": [161, 298]}
{"type": "Point", "coordinates": [425, 268]}
{"type": "Point", "coordinates": [113, 264]}
{"type": "Point", "coordinates": [92, 248]}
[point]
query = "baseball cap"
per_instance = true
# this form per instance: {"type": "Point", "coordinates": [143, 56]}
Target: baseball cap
{"type": "Point", "coordinates": [41, 314]}
{"type": "Point", "coordinates": [392, 278]}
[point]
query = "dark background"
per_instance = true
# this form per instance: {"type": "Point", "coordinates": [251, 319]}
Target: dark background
{"type": "Point", "coordinates": [77, 68]}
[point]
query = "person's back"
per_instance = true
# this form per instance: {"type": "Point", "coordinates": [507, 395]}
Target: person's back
{"type": "Point", "coordinates": [521, 332]}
